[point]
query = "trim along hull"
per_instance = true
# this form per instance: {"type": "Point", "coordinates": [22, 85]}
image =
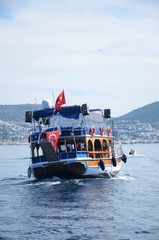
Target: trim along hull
{"type": "Point", "coordinates": [75, 170]}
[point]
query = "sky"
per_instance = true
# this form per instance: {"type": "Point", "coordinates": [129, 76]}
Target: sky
{"type": "Point", "coordinates": [101, 52]}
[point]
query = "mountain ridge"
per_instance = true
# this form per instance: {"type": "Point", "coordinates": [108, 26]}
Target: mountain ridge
{"type": "Point", "coordinates": [16, 112]}
{"type": "Point", "coordinates": [139, 125]}
{"type": "Point", "coordinates": [148, 113]}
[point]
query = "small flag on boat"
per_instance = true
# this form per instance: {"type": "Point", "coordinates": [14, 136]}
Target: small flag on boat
{"type": "Point", "coordinates": [60, 101]}
{"type": "Point", "coordinates": [53, 138]}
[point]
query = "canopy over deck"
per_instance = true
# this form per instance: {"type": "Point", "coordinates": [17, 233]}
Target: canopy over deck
{"type": "Point", "coordinates": [67, 112]}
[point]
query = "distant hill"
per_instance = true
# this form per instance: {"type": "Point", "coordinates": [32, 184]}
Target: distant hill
{"type": "Point", "coordinates": [16, 113]}
{"type": "Point", "coordinates": [140, 125]}
{"type": "Point", "coordinates": [148, 114]}
{"type": "Point", "coordinates": [12, 122]}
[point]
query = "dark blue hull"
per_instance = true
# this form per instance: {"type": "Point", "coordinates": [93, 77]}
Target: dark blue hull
{"type": "Point", "coordinates": [71, 170]}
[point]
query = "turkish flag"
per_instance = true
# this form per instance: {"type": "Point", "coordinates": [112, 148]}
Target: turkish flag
{"type": "Point", "coordinates": [60, 101]}
{"type": "Point", "coordinates": [53, 138]}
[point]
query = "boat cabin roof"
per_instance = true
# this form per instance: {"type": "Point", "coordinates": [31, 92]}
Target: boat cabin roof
{"type": "Point", "coordinates": [67, 112]}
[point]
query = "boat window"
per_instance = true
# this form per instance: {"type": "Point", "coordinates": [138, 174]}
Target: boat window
{"type": "Point", "coordinates": [36, 150]}
{"type": "Point", "coordinates": [40, 152]}
{"type": "Point", "coordinates": [90, 145]}
{"type": "Point", "coordinates": [97, 145]}
{"type": "Point", "coordinates": [110, 143]}
{"type": "Point", "coordinates": [104, 144]}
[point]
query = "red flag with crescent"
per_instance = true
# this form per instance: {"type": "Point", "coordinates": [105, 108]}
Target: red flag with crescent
{"type": "Point", "coordinates": [53, 138]}
{"type": "Point", "coordinates": [60, 101]}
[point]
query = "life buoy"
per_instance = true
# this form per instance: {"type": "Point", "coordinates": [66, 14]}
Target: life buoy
{"type": "Point", "coordinates": [101, 129]}
{"type": "Point", "coordinates": [124, 158]}
{"type": "Point", "coordinates": [108, 131]}
{"type": "Point", "coordinates": [92, 131]}
{"type": "Point", "coordinates": [101, 164]}
{"type": "Point", "coordinates": [114, 161]}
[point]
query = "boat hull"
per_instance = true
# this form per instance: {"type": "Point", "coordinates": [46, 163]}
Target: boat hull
{"type": "Point", "coordinates": [75, 170]}
{"type": "Point", "coordinates": [71, 170]}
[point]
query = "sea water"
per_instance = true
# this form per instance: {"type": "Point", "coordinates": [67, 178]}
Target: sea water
{"type": "Point", "coordinates": [121, 208]}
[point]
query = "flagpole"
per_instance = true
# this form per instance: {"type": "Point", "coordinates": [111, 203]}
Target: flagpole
{"type": "Point", "coordinates": [53, 98]}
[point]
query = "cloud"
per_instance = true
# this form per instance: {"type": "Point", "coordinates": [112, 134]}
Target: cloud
{"type": "Point", "coordinates": [102, 48]}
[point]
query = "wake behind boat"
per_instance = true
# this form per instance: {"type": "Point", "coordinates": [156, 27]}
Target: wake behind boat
{"type": "Point", "coordinates": [70, 145]}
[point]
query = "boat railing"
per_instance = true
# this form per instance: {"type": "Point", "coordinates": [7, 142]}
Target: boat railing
{"type": "Point", "coordinates": [69, 131]}
{"type": "Point", "coordinates": [37, 133]}
{"type": "Point", "coordinates": [99, 154]}
{"type": "Point", "coordinates": [38, 159]}
{"type": "Point", "coordinates": [75, 154]}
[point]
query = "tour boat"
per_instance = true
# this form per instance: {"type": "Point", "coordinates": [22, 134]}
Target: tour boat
{"type": "Point", "coordinates": [69, 143]}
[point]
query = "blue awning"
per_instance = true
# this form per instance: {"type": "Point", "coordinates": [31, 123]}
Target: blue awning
{"type": "Point", "coordinates": [66, 112]}
{"type": "Point", "coordinates": [43, 113]}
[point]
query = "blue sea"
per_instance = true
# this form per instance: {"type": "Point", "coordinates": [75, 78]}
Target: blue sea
{"type": "Point", "coordinates": [122, 208]}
